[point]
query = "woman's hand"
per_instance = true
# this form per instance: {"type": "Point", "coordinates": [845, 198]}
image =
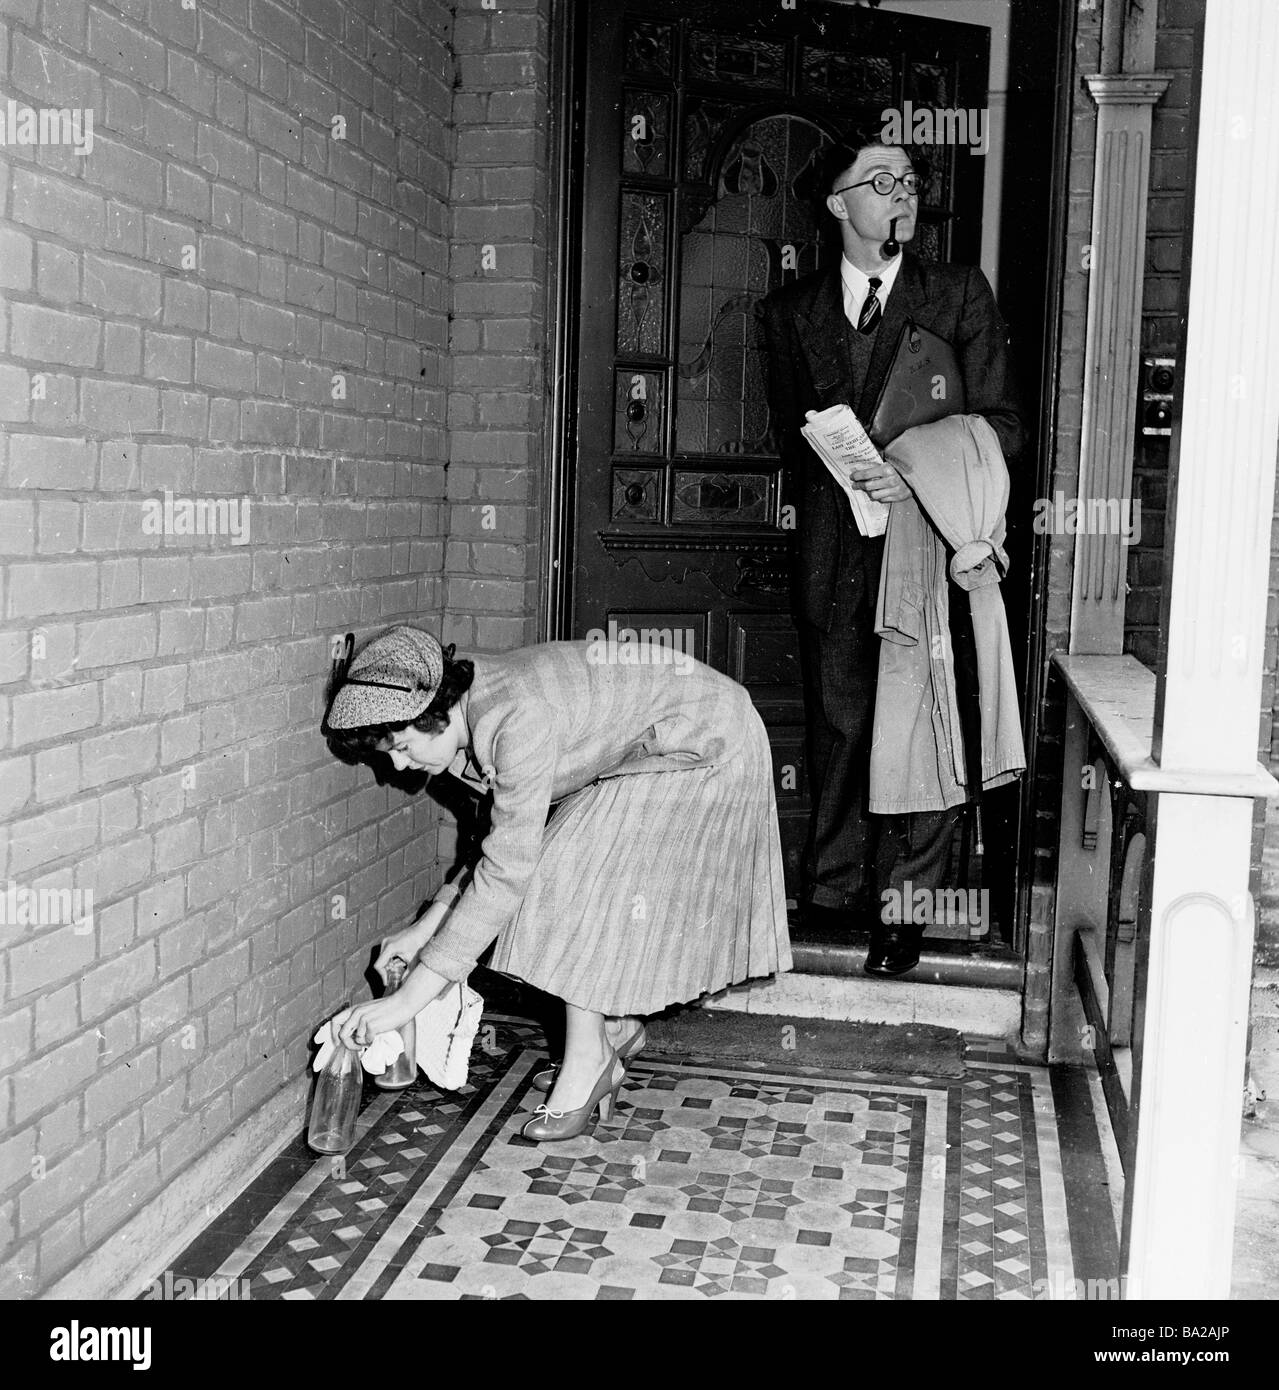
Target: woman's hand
{"type": "Point", "coordinates": [358, 1027]}
{"type": "Point", "coordinates": [408, 942]}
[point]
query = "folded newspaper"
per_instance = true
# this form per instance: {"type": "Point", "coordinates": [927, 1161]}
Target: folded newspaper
{"type": "Point", "coordinates": [844, 447]}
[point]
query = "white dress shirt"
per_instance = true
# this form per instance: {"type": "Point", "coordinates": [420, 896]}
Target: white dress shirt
{"type": "Point", "coordinates": [857, 286]}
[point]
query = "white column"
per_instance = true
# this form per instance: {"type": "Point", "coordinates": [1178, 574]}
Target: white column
{"type": "Point", "coordinates": [1112, 350]}
{"type": "Point", "coordinates": [1188, 1087]}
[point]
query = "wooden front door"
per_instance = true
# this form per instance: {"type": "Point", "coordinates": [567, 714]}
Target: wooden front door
{"type": "Point", "coordinates": [700, 122]}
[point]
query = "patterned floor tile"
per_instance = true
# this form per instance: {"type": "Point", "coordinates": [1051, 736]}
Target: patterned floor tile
{"type": "Point", "coordinates": [715, 1180]}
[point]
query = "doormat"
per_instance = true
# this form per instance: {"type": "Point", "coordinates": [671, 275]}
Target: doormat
{"type": "Point", "coordinates": [909, 1049]}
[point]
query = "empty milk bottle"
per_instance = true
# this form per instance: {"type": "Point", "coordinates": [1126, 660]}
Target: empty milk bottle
{"type": "Point", "coordinates": [403, 1071]}
{"type": "Point", "coordinates": [337, 1102]}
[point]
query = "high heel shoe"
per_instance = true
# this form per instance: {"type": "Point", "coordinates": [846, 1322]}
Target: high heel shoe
{"type": "Point", "coordinates": [548, 1125]}
{"type": "Point", "coordinates": [632, 1047]}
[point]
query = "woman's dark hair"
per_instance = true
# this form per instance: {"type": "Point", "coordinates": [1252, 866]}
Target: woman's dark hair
{"type": "Point", "coordinates": [361, 745]}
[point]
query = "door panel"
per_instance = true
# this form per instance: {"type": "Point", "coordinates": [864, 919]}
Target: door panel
{"type": "Point", "coordinates": [702, 121]}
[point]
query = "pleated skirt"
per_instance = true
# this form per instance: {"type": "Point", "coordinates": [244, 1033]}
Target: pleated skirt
{"type": "Point", "coordinates": [654, 888]}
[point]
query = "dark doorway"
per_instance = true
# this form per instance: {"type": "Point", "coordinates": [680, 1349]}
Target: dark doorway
{"type": "Point", "coordinates": [692, 126]}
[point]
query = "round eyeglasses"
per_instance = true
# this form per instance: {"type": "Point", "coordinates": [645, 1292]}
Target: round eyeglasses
{"type": "Point", "coordinates": [883, 183]}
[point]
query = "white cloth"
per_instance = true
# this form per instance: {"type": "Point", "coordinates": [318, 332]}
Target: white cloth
{"type": "Point", "coordinates": [444, 1032]}
{"type": "Point", "coordinates": [375, 1058]}
{"type": "Point", "coordinates": [856, 284]}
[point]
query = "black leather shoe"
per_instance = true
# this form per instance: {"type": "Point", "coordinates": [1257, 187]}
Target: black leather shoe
{"type": "Point", "coordinates": [893, 950]}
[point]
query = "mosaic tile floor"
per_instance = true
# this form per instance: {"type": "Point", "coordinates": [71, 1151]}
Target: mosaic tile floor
{"type": "Point", "coordinates": [715, 1180]}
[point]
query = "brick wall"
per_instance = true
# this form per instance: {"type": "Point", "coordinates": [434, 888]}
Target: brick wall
{"type": "Point", "coordinates": [501, 216]}
{"type": "Point", "coordinates": [229, 297]}
{"type": "Point", "coordinates": [1166, 218]}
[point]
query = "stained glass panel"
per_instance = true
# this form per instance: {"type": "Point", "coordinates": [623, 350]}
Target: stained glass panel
{"type": "Point", "coordinates": [928, 84]}
{"type": "Point", "coordinates": [704, 122]}
{"type": "Point", "coordinates": [934, 164]}
{"type": "Point", "coordinates": [646, 133]}
{"type": "Point", "coordinates": [641, 291]}
{"type": "Point", "coordinates": [853, 77]}
{"type": "Point", "coordinates": [636, 494]}
{"type": "Point", "coordinates": [700, 496]}
{"type": "Point", "coordinates": [744, 62]}
{"type": "Point", "coordinates": [650, 50]}
{"type": "Point", "coordinates": [929, 241]}
{"type": "Point", "coordinates": [637, 413]}
{"type": "Point", "coordinates": [757, 234]}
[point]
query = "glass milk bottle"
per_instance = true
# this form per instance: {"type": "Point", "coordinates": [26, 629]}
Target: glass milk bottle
{"type": "Point", "coordinates": [403, 1071]}
{"type": "Point", "coordinates": [337, 1103]}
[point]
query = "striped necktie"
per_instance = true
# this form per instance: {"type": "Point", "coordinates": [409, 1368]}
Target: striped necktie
{"type": "Point", "coordinates": [872, 310]}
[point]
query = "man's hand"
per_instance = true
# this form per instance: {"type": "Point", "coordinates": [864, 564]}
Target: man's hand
{"type": "Point", "coordinates": [883, 484]}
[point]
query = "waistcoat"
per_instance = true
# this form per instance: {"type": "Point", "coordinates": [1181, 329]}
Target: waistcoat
{"type": "Point", "coordinates": [858, 348]}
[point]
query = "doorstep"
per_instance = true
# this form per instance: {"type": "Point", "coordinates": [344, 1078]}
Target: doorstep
{"type": "Point", "coordinates": [985, 967]}
{"type": "Point", "coordinates": [983, 1009]}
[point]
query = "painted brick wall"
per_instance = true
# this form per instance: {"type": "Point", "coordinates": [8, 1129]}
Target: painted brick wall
{"type": "Point", "coordinates": [496, 341]}
{"type": "Point", "coordinates": [160, 694]}
{"type": "Point", "coordinates": [498, 329]}
{"type": "Point", "coordinates": [1166, 217]}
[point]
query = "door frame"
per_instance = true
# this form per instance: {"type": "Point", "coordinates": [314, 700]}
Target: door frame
{"type": "Point", "coordinates": [567, 87]}
{"type": "Point", "coordinates": [1046, 409]}
{"type": "Point", "coordinates": [567, 97]}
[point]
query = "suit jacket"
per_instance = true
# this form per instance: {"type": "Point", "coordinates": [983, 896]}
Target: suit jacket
{"type": "Point", "coordinates": [808, 369]}
{"type": "Point", "coordinates": [546, 721]}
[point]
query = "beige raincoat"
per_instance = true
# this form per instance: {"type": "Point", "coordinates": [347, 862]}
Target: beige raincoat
{"type": "Point", "coordinates": [959, 482]}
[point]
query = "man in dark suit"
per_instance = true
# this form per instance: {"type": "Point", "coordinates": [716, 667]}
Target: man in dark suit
{"type": "Point", "coordinates": [831, 338]}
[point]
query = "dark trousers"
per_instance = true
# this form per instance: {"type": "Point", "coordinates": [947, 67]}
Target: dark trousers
{"type": "Point", "coordinates": [853, 859]}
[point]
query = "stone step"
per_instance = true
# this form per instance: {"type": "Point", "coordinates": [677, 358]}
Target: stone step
{"type": "Point", "coordinates": [984, 1011]}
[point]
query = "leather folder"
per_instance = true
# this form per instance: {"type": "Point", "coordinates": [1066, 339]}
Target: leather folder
{"type": "Point", "coordinates": [923, 384]}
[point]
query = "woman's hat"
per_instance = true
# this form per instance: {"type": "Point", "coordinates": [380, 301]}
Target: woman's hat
{"type": "Point", "coordinates": [392, 680]}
